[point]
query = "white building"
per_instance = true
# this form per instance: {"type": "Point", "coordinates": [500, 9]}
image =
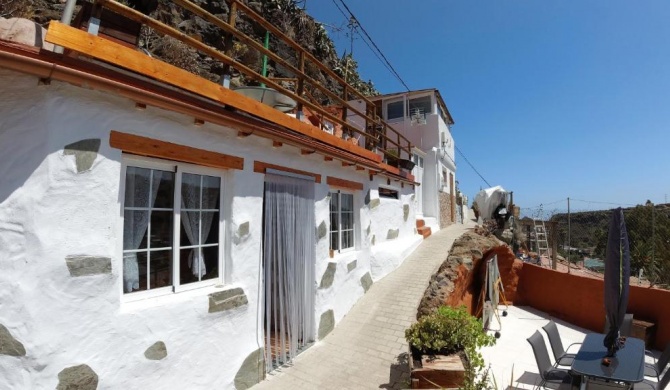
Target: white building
{"type": "Point", "coordinates": [424, 119]}
{"type": "Point", "coordinates": [163, 233]}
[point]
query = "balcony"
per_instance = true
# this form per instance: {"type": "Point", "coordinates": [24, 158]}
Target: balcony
{"type": "Point", "coordinates": [307, 114]}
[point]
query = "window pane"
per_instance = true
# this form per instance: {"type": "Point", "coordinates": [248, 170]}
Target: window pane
{"type": "Point", "coordinates": [134, 272]}
{"type": "Point", "coordinates": [161, 269]}
{"type": "Point", "coordinates": [210, 192]}
{"type": "Point", "coordinates": [190, 228]}
{"type": "Point", "coordinates": [334, 223]}
{"type": "Point", "coordinates": [210, 227]}
{"type": "Point", "coordinates": [347, 221]}
{"type": "Point", "coordinates": [190, 191]}
{"type": "Point", "coordinates": [347, 202]}
{"type": "Point", "coordinates": [137, 187]}
{"type": "Point", "coordinates": [191, 265]}
{"type": "Point", "coordinates": [334, 201]}
{"type": "Point", "coordinates": [161, 229]}
{"type": "Point", "coordinates": [422, 103]}
{"type": "Point", "coordinates": [135, 223]}
{"type": "Point", "coordinates": [165, 191]}
{"type": "Point", "coordinates": [395, 110]}
{"type": "Point", "coordinates": [333, 241]}
{"type": "Point", "coordinates": [347, 239]}
{"type": "Point", "coordinates": [211, 255]}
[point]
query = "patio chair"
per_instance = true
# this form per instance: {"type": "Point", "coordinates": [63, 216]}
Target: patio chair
{"type": "Point", "coordinates": [626, 327]}
{"type": "Point", "coordinates": [552, 378]}
{"type": "Point", "coordinates": [563, 358]}
{"type": "Point", "coordinates": [660, 385]}
{"type": "Point", "coordinates": [655, 369]}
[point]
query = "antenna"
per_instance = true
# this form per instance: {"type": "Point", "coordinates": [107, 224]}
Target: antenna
{"type": "Point", "coordinates": [418, 117]}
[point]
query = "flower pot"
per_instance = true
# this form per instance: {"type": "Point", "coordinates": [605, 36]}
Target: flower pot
{"type": "Point", "coordinates": [436, 371]}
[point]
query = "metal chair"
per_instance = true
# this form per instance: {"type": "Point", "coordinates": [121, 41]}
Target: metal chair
{"type": "Point", "coordinates": [560, 354]}
{"type": "Point", "coordinates": [660, 385]}
{"type": "Point", "coordinates": [552, 378]}
{"type": "Point", "coordinates": [656, 369]}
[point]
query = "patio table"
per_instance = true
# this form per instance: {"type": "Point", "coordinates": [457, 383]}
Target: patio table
{"type": "Point", "coordinates": [626, 367]}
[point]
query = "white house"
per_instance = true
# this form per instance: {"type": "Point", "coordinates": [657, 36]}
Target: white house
{"type": "Point", "coordinates": [158, 230]}
{"type": "Point", "coordinates": [424, 119]}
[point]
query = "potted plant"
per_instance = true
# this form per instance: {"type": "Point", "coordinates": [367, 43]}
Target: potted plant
{"type": "Point", "coordinates": [444, 349]}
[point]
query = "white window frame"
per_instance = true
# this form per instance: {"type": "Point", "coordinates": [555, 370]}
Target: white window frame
{"type": "Point", "coordinates": [178, 168]}
{"type": "Point", "coordinates": [416, 97]}
{"type": "Point", "coordinates": [337, 191]}
{"type": "Point", "coordinates": [404, 109]}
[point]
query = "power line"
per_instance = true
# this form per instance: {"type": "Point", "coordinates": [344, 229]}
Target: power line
{"type": "Point", "coordinates": [472, 166]}
{"type": "Point", "coordinates": [390, 67]}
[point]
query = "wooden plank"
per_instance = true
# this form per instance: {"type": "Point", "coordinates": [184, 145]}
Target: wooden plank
{"type": "Point", "coordinates": [261, 167]}
{"type": "Point", "coordinates": [106, 50]}
{"type": "Point", "coordinates": [150, 147]}
{"type": "Point", "coordinates": [342, 183]}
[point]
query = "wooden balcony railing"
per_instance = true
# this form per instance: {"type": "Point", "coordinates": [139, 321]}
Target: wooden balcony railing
{"type": "Point", "coordinates": [376, 132]}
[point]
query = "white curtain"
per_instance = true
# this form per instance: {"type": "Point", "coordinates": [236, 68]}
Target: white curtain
{"type": "Point", "coordinates": [288, 253]}
{"type": "Point", "coordinates": [141, 190]}
{"type": "Point", "coordinates": [192, 187]}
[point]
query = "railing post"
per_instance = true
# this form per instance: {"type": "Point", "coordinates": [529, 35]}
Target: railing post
{"type": "Point", "coordinates": [228, 43]}
{"type": "Point", "coordinates": [301, 83]}
{"type": "Point", "coordinates": [345, 97]}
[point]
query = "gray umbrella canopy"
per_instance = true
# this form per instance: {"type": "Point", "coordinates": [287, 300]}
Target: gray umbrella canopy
{"type": "Point", "coordinates": [617, 279]}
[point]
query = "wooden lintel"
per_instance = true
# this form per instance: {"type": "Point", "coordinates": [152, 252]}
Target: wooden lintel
{"type": "Point", "coordinates": [342, 183]}
{"type": "Point", "coordinates": [306, 151]}
{"type": "Point", "coordinates": [327, 158]}
{"type": "Point", "coordinates": [261, 167]}
{"type": "Point", "coordinates": [150, 147]}
{"type": "Point", "coordinates": [243, 134]}
{"type": "Point", "coordinates": [277, 144]}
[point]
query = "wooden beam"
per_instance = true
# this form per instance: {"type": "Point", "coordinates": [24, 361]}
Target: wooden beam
{"type": "Point", "coordinates": [360, 168]}
{"type": "Point", "coordinates": [305, 152]}
{"type": "Point", "coordinates": [243, 134]}
{"type": "Point", "coordinates": [150, 147]}
{"type": "Point", "coordinates": [140, 106]}
{"type": "Point", "coordinates": [342, 183]}
{"type": "Point", "coordinates": [198, 122]}
{"type": "Point", "coordinates": [277, 144]}
{"type": "Point", "coordinates": [106, 50]}
{"type": "Point", "coordinates": [347, 164]}
{"type": "Point", "coordinates": [261, 167]}
{"type": "Point", "coordinates": [327, 158]}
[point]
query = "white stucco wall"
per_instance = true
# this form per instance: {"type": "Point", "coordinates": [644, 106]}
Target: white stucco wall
{"type": "Point", "coordinates": [49, 211]}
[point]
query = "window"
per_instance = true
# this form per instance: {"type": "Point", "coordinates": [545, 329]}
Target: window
{"type": "Point", "coordinates": [341, 220]}
{"type": "Point", "coordinates": [388, 193]}
{"type": "Point", "coordinates": [395, 110]}
{"type": "Point", "coordinates": [418, 160]}
{"type": "Point", "coordinates": [424, 104]}
{"type": "Point", "coordinates": [171, 226]}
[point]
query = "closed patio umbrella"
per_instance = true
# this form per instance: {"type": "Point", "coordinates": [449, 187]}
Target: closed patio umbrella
{"type": "Point", "coordinates": [617, 277]}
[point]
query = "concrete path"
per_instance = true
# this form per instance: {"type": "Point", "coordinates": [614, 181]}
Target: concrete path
{"type": "Point", "coordinates": [367, 349]}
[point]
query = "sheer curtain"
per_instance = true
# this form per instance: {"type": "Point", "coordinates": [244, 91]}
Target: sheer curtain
{"type": "Point", "coordinates": [288, 253]}
{"type": "Point", "coordinates": [196, 197]}
{"type": "Point", "coordinates": [141, 190]}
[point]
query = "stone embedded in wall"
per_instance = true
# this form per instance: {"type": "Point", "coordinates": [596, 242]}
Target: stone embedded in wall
{"type": "Point", "coordinates": [328, 276]}
{"type": "Point", "coordinates": [447, 216]}
{"type": "Point", "coordinates": [80, 377]}
{"type": "Point", "coordinates": [374, 203]}
{"type": "Point", "coordinates": [412, 197]}
{"type": "Point", "coordinates": [369, 229]}
{"type": "Point", "coordinates": [352, 266]}
{"type": "Point", "coordinates": [82, 265]}
{"type": "Point", "coordinates": [372, 241]}
{"type": "Point", "coordinates": [392, 234]}
{"type": "Point", "coordinates": [405, 212]}
{"type": "Point", "coordinates": [226, 300]}
{"type": "Point", "coordinates": [252, 370]}
{"type": "Point", "coordinates": [157, 351]}
{"type": "Point", "coordinates": [366, 281]}
{"type": "Point", "coordinates": [327, 323]}
{"type": "Point", "coordinates": [84, 151]}
{"type": "Point", "coordinates": [9, 345]}
{"type": "Point", "coordinates": [241, 233]}
{"type": "Point", "coordinates": [367, 198]}
{"type": "Point", "coordinates": [322, 230]}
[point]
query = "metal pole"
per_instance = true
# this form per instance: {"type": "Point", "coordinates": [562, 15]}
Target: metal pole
{"type": "Point", "coordinates": [66, 19]}
{"type": "Point", "coordinates": [569, 243]}
{"type": "Point", "coordinates": [265, 57]}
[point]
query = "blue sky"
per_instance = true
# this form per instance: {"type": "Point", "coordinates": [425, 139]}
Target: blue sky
{"type": "Point", "coordinates": [551, 99]}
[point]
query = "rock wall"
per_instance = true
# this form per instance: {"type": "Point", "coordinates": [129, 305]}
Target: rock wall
{"type": "Point", "coordinates": [459, 279]}
{"type": "Point", "coordinates": [446, 211]}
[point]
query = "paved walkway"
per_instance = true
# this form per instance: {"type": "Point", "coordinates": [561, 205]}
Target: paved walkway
{"type": "Point", "coordinates": [367, 349]}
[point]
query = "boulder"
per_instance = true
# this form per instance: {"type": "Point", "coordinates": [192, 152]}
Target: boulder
{"type": "Point", "coordinates": [24, 31]}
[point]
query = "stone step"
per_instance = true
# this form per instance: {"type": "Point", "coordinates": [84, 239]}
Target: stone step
{"type": "Point", "coordinates": [424, 231]}
{"type": "Point", "coordinates": [420, 223]}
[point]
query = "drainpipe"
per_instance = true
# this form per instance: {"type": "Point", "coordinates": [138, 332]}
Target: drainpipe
{"type": "Point", "coordinates": [66, 19]}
